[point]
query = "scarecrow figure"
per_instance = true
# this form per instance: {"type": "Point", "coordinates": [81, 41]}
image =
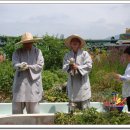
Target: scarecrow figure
{"type": "Point", "coordinates": [78, 85]}
{"type": "Point", "coordinates": [27, 86]}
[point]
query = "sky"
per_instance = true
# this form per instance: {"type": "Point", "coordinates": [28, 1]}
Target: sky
{"type": "Point", "coordinates": [90, 21]}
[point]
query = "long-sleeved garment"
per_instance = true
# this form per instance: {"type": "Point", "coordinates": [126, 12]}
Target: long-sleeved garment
{"type": "Point", "coordinates": [126, 82]}
{"type": "Point", "coordinates": [27, 86]}
{"type": "Point", "coordinates": [78, 86]}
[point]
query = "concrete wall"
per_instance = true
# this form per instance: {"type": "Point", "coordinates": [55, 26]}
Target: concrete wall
{"type": "Point", "coordinates": [27, 119]}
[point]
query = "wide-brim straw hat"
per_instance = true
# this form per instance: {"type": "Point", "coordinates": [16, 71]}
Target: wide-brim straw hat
{"type": "Point", "coordinates": [68, 40]}
{"type": "Point", "coordinates": [27, 38]}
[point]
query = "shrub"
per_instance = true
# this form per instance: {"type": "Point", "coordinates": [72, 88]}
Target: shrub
{"type": "Point", "coordinates": [52, 78]}
{"type": "Point", "coordinates": [61, 75]}
{"type": "Point", "coordinates": [53, 50]}
{"type": "Point", "coordinates": [6, 76]}
{"type": "Point", "coordinates": [56, 94]}
{"type": "Point", "coordinates": [54, 84]}
{"type": "Point", "coordinates": [92, 117]}
{"type": "Point", "coordinates": [10, 46]}
{"type": "Point", "coordinates": [49, 79]}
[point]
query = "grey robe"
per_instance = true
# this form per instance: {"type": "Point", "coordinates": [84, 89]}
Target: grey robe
{"type": "Point", "coordinates": [27, 86]}
{"type": "Point", "coordinates": [78, 86]}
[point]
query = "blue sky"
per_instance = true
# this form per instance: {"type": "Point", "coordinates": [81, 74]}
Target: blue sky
{"type": "Point", "coordinates": [95, 21]}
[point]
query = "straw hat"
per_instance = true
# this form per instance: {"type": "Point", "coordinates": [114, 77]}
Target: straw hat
{"type": "Point", "coordinates": [68, 40]}
{"type": "Point", "coordinates": [28, 37]}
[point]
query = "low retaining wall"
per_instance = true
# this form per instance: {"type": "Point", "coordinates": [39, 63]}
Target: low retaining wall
{"type": "Point", "coordinates": [27, 119]}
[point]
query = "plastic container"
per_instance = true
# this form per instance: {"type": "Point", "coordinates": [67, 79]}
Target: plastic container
{"type": "Point", "coordinates": [111, 107]}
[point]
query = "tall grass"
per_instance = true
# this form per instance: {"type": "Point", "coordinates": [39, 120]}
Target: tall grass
{"type": "Point", "coordinates": [101, 76]}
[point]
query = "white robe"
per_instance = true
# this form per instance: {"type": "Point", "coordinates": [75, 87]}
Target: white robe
{"type": "Point", "coordinates": [126, 82]}
{"type": "Point", "coordinates": [78, 86]}
{"type": "Point", "coordinates": [27, 86]}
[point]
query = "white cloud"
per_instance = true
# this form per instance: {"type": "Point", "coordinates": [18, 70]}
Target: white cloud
{"type": "Point", "coordinates": [88, 20]}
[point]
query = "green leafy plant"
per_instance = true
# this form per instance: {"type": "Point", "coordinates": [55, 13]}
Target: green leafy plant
{"type": "Point", "coordinates": [92, 117]}
{"type": "Point", "coordinates": [6, 76]}
{"type": "Point", "coordinates": [53, 50]}
{"type": "Point", "coordinates": [53, 78]}
{"type": "Point", "coordinates": [56, 94]}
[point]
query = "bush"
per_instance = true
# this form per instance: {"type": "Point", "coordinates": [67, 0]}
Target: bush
{"type": "Point", "coordinates": [54, 84]}
{"type": "Point", "coordinates": [52, 78]}
{"type": "Point", "coordinates": [92, 117]}
{"type": "Point", "coordinates": [6, 76]}
{"type": "Point", "coordinates": [56, 94]}
{"type": "Point", "coordinates": [10, 46]}
{"type": "Point", "coordinates": [49, 79]}
{"type": "Point", "coordinates": [53, 50]}
{"type": "Point", "coordinates": [61, 75]}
